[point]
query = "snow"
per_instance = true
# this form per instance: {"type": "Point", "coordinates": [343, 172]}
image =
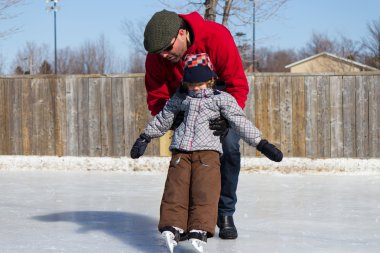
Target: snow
{"type": "Point", "coordinates": [160, 164]}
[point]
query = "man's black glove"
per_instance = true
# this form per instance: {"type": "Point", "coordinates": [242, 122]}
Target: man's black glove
{"type": "Point", "coordinates": [140, 145]}
{"type": "Point", "coordinates": [269, 150]}
{"type": "Point", "coordinates": [220, 126]}
{"type": "Point", "coordinates": [178, 120]}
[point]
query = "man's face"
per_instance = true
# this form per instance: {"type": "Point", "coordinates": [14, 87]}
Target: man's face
{"type": "Point", "coordinates": [176, 49]}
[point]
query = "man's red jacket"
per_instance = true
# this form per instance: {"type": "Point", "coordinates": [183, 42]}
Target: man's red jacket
{"type": "Point", "coordinates": [163, 77]}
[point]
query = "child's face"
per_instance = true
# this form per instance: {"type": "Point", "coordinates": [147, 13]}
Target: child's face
{"type": "Point", "coordinates": [197, 86]}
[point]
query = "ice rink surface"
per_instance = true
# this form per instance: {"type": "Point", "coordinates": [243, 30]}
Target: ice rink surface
{"type": "Point", "coordinates": [58, 211]}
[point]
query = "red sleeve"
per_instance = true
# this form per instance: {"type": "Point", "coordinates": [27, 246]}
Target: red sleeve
{"type": "Point", "coordinates": [157, 90]}
{"type": "Point", "coordinates": [228, 65]}
{"type": "Point", "coordinates": [162, 79]}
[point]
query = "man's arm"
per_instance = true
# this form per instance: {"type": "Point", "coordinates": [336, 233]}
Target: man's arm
{"type": "Point", "coordinates": [228, 65]}
{"type": "Point", "coordinates": [156, 87]}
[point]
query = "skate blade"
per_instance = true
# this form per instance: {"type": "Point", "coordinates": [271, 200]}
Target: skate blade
{"type": "Point", "coordinates": [170, 243]}
{"type": "Point", "coordinates": [197, 244]}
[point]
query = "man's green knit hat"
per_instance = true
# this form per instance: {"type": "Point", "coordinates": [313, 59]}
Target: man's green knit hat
{"type": "Point", "coordinates": [160, 30]}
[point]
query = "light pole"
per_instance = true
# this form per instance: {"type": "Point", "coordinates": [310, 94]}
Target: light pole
{"type": "Point", "coordinates": [254, 37]}
{"type": "Point", "coordinates": [54, 7]}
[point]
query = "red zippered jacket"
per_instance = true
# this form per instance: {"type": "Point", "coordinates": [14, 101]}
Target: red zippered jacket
{"type": "Point", "coordinates": [162, 77]}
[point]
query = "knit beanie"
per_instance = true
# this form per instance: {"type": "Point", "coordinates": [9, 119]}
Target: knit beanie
{"type": "Point", "coordinates": [160, 30]}
{"type": "Point", "coordinates": [198, 68]}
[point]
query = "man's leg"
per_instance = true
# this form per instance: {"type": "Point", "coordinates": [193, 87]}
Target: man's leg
{"type": "Point", "coordinates": [230, 169]}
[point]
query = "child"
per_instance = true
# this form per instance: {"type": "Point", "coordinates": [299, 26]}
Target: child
{"type": "Point", "coordinates": [190, 200]}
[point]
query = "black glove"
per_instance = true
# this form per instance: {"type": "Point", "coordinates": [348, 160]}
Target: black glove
{"type": "Point", "coordinates": [220, 85]}
{"type": "Point", "coordinates": [140, 145]}
{"type": "Point", "coordinates": [178, 120]}
{"type": "Point", "coordinates": [220, 126]}
{"type": "Point", "coordinates": [269, 150]}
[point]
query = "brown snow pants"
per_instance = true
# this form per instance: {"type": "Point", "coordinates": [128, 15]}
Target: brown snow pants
{"type": "Point", "coordinates": [192, 189]}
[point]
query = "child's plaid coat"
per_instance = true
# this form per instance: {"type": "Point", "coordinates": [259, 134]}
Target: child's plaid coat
{"type": "Point", "coordinates": [199, 107]}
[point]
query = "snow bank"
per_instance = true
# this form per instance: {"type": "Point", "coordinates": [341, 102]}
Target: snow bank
{"type": "Point", "coordinates": [160, 164]}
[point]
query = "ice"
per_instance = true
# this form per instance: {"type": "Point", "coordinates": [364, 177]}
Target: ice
{"type": "Point", "coordinates": [116, 211]}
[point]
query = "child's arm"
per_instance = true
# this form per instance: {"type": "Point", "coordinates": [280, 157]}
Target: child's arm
{"type": "Point", "coordinates": [237, 120]}
{"type": "Point", "coordinates": [247, 131]}
{"type": "Point", "coordinates": [160, 124]}
{"type": "Point", "coordinates": [163, 121]}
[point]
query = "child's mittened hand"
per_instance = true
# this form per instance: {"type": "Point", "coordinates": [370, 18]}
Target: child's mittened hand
{"type": "Point", "coordinates": [140, 145]}
{"type": "Point", "coordinates": [270, 150]}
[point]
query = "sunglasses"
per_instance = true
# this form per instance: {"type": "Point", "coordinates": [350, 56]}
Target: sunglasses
{"type": "Point", "coordinates": [170, 47]}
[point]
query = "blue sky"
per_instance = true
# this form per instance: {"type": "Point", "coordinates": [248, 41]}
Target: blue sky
{"type": "Point", "coordinates": [80, 21]}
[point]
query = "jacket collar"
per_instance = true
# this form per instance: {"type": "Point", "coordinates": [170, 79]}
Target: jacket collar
{"type": "Point", "coordinates": [204, 93]}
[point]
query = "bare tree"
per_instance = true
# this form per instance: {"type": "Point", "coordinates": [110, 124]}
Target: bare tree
{"type": "Point", "coordinates": [371, 43]}
{"type": "Point", "coordinates": [134, 32]}
{"type": "Point", "coordinates": [31, 57]}
{"type": "Point", "coordinates": [318, 43]}
{"type": "Point", "coordinates": [95, 57]}
{"type": "Point", "coordinates": [275, 61]}
{"type": "Point", "coordinates": [136, 64]}
{"type": "Point", "coordinates": [68, 62]}
{"type": "Point", "coordinates": [239, 12]}
{"type": "Point", "coordinates": [5, 8]}
{"type": "Point", "coordinates": [341, 46]}
{"type": "Point", "coordinates": [45, 68]}
{"type": "Point", "coordinates": [210, 9]}
{"type": "Point", "coordinates": [19, 71]}
{"type": "Point", "coordinates": [347, 48]}
{"type": "Point", "coordinates": [245, 50]}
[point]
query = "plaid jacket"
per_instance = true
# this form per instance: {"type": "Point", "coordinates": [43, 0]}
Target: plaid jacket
{"type": "Point", "coordinates": [199, 107]}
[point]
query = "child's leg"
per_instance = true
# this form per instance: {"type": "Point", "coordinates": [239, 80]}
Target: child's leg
{"type": "Point", "coordinates": [205, 191]}
{"type": "Point", "coordinates": [175, 200]}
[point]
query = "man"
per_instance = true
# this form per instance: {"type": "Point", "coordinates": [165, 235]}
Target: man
{"type": "Point", "coordinates": [168, 38]}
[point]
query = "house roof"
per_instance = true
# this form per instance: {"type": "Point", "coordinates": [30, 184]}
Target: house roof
{"type": "Point", "coordinates": [354, 63]}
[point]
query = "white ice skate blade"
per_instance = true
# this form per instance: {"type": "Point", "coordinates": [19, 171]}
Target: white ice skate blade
{"type": "Point", "coordinates": [169, 239]}
{"type": "Point", "coordinates": [197, 244]}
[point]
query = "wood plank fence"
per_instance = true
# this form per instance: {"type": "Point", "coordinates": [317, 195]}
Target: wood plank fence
{"type": "Point", "coordinates": [319, 115]}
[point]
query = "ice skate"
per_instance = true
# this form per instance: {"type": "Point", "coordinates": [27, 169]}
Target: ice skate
{"type": "Point", "coordinates": [198, 239]}
{"type": "Point", "coordinates": [171, 237]}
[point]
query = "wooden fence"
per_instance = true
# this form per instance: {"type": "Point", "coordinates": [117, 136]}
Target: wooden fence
{"type": "Point", "coordinates": [321, 115]}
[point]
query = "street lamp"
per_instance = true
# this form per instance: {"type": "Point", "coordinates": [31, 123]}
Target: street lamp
{"type": "Point", "coordinates": [254, 37]}
{"type": "Point", "coordinates": [54, 7]}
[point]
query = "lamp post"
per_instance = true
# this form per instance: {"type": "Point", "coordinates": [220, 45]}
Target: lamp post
{"type": "Point", "coordinates": [254, 37]}
{"type": "Point", "coordinates": [54, 7]}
